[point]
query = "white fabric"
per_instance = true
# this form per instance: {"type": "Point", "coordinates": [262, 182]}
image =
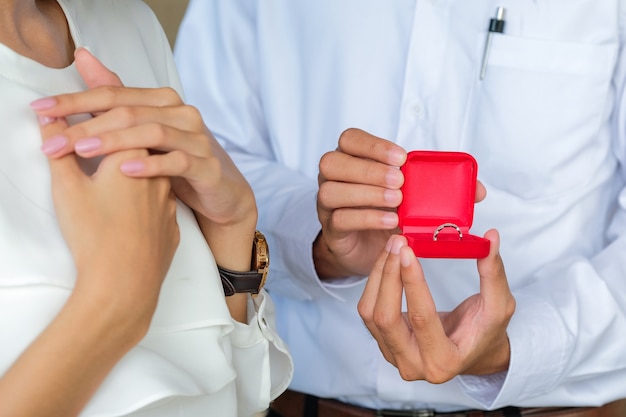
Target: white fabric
{"type": "Point", "coordinates": [196, 360]}
{"type": "Point", "coordinates": [278, 81]}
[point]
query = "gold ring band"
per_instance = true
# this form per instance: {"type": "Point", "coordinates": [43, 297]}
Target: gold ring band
{"type": "Point", "coordinates": [443, 226]}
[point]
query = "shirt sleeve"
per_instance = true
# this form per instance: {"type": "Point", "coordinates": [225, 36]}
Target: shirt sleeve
{"type": "Point", "coordinates": [260, 358]}
{"type": "Point", "coordinates": [567, 334]}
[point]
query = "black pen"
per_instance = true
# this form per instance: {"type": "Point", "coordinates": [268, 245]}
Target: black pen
{"type": "Point", "coordinates": [496, 25]}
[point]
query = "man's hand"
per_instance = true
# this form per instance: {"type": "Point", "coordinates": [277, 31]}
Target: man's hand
{"type": "Point", "coordinates": [359, 192]}
{"type": "Point", "coordinates": [437, 346]}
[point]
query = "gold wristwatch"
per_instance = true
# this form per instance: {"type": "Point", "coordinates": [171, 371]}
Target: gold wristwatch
{"type": "Point", "coordinates": [252, 281]}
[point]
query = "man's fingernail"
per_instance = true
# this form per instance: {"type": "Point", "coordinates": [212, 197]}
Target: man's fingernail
{"type": "Point", "coordinates": [54, 144]}
{"type": "Point", "coordinates": [396, 246]}
{"type": "Point", "coordinates": [46, 120]}
{"type": "Point", "coordinates": [406, 257]}
{"type": "Point", "coordinates": [389, 243]}
{"type": "Point", "coordinates": [43, 103]}
{"type": "Point", "coordinates": [397, 157]}
{"type": "Point", "coordinates": [390, 219]}
{"type": "Point", "coordinates": [394, 178]}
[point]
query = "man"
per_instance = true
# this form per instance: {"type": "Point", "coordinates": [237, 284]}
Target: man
{"type": "Point", "coordinates": [281, 83]}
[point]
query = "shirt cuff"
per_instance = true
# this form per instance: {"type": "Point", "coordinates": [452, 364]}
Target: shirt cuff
{"type": "Point", "coordinates": [538, 354]}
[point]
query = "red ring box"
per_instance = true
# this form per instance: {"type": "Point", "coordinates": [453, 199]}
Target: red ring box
{"type": "Point", "coordinates": [439, 188]}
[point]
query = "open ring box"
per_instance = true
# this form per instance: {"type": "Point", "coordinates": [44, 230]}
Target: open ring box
{"type": "Point", "coordinates": [437, 209]}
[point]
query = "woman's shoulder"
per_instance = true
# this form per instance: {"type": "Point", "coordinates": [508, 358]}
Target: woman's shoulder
{"type": "Point", "coordinates": [126, 36]}
{"type": "Point", "coordinates": [129, 10]}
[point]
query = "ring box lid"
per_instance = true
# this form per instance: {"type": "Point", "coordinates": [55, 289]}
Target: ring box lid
{"type": "Point", "coordinates": [439, 188]}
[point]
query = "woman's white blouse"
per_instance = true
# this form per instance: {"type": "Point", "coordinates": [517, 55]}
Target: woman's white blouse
{"type": "Point", "coordinates": [196, 360]}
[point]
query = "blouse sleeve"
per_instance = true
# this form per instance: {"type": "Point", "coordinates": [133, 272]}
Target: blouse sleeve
{"type": "Point", "coordinates": [261, 360]}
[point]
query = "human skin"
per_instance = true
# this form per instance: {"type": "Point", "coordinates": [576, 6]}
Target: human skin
{"type": "Point", "coordinates": [425, 344]}
{"type": "Point", "coordinates": [129, 217]}
{"type": "Point", "coordinates": [359, 193]}
{"type": "Point", "coordinates": [202, 174]}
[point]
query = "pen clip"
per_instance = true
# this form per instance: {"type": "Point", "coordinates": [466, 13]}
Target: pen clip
{"type": "Point", "coordinates": [496, 25]}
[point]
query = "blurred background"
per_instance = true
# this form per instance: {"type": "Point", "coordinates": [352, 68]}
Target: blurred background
{"type": "Point", "coordinates": [169, 12]}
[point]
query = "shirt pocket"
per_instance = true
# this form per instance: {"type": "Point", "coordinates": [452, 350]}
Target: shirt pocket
{"type": "Point", "coordinates": [539, 120]}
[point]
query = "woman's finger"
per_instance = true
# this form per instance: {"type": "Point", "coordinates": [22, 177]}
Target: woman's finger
{"type": "Point", "coordinates": [93, 72]}
{"type": "Point", "coordinates": [63, 170]}
{"type": "Point", "coordinates": [104, 98]}
{"type": "Point", "coordinates": [154, 136]}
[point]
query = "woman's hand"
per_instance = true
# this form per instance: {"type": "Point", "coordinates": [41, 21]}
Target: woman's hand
{"type": "Point", "coordinates": [121, 231]}
{"type": "Point", "coordinates": [180, 147]}
{"type": "Point", "coordinates": [203, 175]}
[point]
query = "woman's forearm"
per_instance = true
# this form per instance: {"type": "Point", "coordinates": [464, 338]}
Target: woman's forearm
{"type": "Point", "coordinates": [59, 372]}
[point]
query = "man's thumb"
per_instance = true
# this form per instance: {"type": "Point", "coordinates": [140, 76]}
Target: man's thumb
{"type": "Point", "coordinates": [94, 73]}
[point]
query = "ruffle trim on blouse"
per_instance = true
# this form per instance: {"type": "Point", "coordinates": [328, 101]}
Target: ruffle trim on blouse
{"type": "Point", "coordinates": [186, 363]}
{"type": "Point", "coordinates": [181, 364]}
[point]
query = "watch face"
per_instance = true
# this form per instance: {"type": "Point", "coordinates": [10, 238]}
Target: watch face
{"type": "Point", "coordinates": [252, 281]}
{"type": "Point", "coordinates": [262, 256]}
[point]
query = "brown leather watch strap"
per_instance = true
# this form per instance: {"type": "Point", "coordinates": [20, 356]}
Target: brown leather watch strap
{"type": "Point", "coordinates": [240, 282]}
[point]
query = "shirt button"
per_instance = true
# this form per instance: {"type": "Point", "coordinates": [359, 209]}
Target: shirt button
{"type": "Point", "coordinates": [265, 329]}
{"type": "Point", "coordinates": [418, 110]}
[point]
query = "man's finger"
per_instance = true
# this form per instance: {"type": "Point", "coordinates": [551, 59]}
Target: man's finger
{"type": "Point", "coordinates": [494, 285]}
{"type": "Point", "coordinates": [370, 293]}
{"type": "Point", "coordinates": [344, 167]}
{"type": "Point", "coordinates": [361, 144]}
{"type": "Point", "coordinates": [388, 310]}
{"type": "Point", "coordinates": [481, 192]}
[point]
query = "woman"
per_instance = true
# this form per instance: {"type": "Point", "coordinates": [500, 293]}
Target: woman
{"type": "Point", "coordinates": [110, 299]}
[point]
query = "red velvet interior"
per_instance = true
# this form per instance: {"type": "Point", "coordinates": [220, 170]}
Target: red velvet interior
{"type": "Point", "coordinates": [439, 187]}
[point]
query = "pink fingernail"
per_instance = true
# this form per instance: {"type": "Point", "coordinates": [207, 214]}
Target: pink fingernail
{"type": "Point", "coordinates": [87, 145]}
{"type": "Point", "coordinates": [45, 120]}
{"type": "Point", "coordinates": [54, 144]}
{"type": "Point", "coordinates": [43, 103]}
{"type": "Point", "coordinates": [132, 167]}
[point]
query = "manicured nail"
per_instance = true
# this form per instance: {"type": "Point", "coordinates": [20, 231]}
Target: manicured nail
{"type": "Point", "coordinates": [45, 120]}
{"type": "Point", "coordinates": [132, 167]}
{"type": "Point", "coordinates": [87, 145]}
{"type": "Point", "coordinates": [43, 103]}
{"type": "Point", "coordinates": [54, 144]}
